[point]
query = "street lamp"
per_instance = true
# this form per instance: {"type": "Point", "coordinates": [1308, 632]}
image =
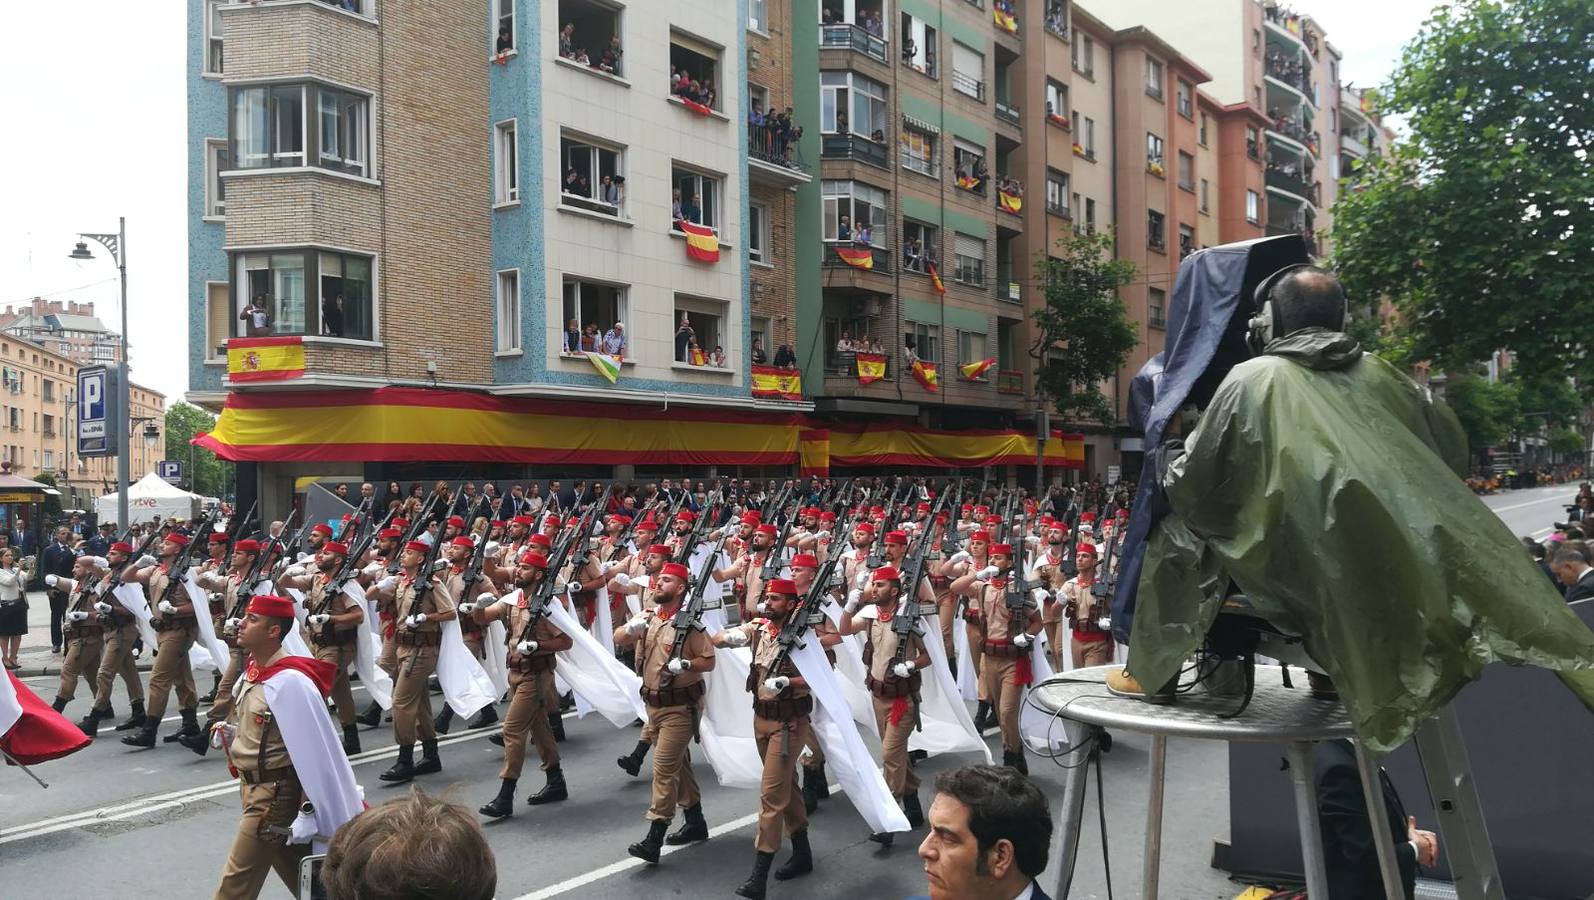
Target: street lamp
{"type": "Point", "coordinates": [117, 245]}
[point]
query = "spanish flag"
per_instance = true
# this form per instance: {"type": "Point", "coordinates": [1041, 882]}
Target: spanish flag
{"type": "Point", "coordinates": [974, 370]}
{"type": "Point", "coordinates": [1005, 21]}
{"type": "Point", "coordinates": [935, 278]}
{"type": "Point", "coordinates": [1012, 203]}
{"type": "Point", "coordinates": [698, 357]}
{"type": "Point", "coordinates": [968, 182]}
{"type": "Point", "coordinates": [774, 383]}
{"type": "Point", "coordinates": [695, 106]}
{"type": "Point", "coordinates": [857, 257]}
{"type": "Point", "coordinates": [264, 359]}
{"type": "Point", "coordinates": [871, 367]}
{"type": "Point", "coordinates": [926, 375]}
{"type": "Point", "coordinates": [702, 244]}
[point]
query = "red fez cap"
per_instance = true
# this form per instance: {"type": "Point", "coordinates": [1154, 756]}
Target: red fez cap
{"type": "Point", "coordinates": [749, 518]}
{"type": "Point", "coordinates": [178, 538]}
{"type": "Point", "coordinates": [810, 510]}
{"type": "Point", "coordinates": [1087, 517]}
{"type": "Point", "coordinates": [782, 586]}
{"type": "Point", "coordinates": [337, 547]}
{"type": "Point", "coordinates": [573, 520]}
{"type": "Point", "coordinates": [322, 528]}
{"type": "Point", "coordinates": [272, 607]}
{"type": "Point", "coordinates": [896, 537]}
{"type": "Point", "coordinates": [767, 528]}
{"type": "Point", "coordinates": [400, 524]}
{"type": "Point", "coordinates": [540, 540]}
{"type": "Point", "coordinates": [390, 533]}
{"type": "Point", "coordinates": [1123, 514]}
{"type": "Point", "coordinates": [805, 561]}
{"type": "Point", "coordinates": [677, 570]}
{"type": "Point", "coordinates": [619, 520]}
{"type": "Point", "coordinates": [463, 541]}
{"type": "Point", "coordinates": [686, 515]}
{"type": "Point", "coordinates": [886, 573]}
{"type": "Point", "coordinates": [247, 545]}
{"type": "Point", "coordinates": [877, 510]}
{"type": "Point", "coordinates": [1085, 548]}
{"type": "Point", "coordinates": [827, 516]}
{"type": "Point", "coordinates": [993, 520]}
{"type": "Point", "coordinates": [922, 507]}
{"type": "Point", "coordinates": [418, 546]}
{"type": "Point", "coordinates": [217, 537]}
{"type": "Point", "coordinates": [647, 524]}
{"type": "Point", "coordinates": [534, 559]}
{"type": "Point", "coordinates": [661, 549]}
{"type": "Point", "coordinates": [967, 508]}
{"type": "Point", "coordinates": [498, 523]}
{"type": "Point", "coordinates": [943, 517]}
{"type": "Point", "coordinates": [122, 547]}
{"type": "Point", "coordinates": [521, 520]}
{"type": "Point", "coordinates": [457, 521]}
{"type": "Point", "coordinates": [1003, 549]}
{"type": "Point", "coordinates": [982, 510]}
{"type": "Point", "coordinates": [866, 527]}
{"type": "Point", "coordinates": [980, 534]}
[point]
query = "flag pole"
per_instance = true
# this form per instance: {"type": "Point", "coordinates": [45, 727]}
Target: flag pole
{"type": "Point", "coordinates": [13, 761]}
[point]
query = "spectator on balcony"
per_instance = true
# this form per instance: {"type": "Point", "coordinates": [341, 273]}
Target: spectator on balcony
{"type": "Point", "coordinates": [909, 51]}
{"type": "Point", "coordinates": [844, 229]}
{"type": "Point", "coordinates": [675, 206]}
{"type": "Point", "coordinates": [567, 36]}
{"type": "Point", "coordinates": [863, 236]}
{"type": "Point", "coordinates": [332, 315]}
{"type": "Point", "coordinates": [685, 336]}
{"type": "Point", "coordinates": [694, 353]}
{"type": "Point", "coordinates": [910, 349]}
{"type": "Point", "coordinates": [572, 340]}
{"type": "Point", "coordinates": [581, 57]}
{"type": "Point", "coordinates": [841, 122]}
{"type": "Point", "coordinates": [506, 41]}
{"type": "Point", "coordinates": [611, 56]}
{"type": "Point", "coordinates": [873, 24]}
{"type": "Point", "coordinates": [609, 190]}
{"type": "Point", "coordinates": [845, 345]}
{"type": "Point", "coordinates": [257, 317]}
{"type": "Point", "coordinates": [614, 340]}
{"type": "Point", "coordinates": [690, 210]}
{"type": "Point", "coordinates": [981, 173]}
{"type": "Point", "coordinates": [591, 338]}
{"type": "Point", "coordinates": [878, 136]}
{"type": "Point", "coordinates": [576, 183]}
{"type": "Point", "coordinates": [717, 358]}
{"type": "Point", "coordinates": [759, 358]}
{"type": "Point", "coordinates": [831, 16]}
{"type": "Point", "coordinates": [785, 358]}
{"type": "Point", "coordinates": [911, 254]}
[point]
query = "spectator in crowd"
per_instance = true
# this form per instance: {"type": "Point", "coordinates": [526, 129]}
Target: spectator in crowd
{"type": "Point", "coordinates": [873, 24]}
{"type": "Point", "coordinates": [506, 40]}
{"type": "Point", "coordinates": [13, 606]}
{"type": "Point", "coordinates": [534, 499]}
{"type": "Point", "coordinates": [332, 315]}
{"type": "Point", "coordinates": [567, 36]}
{"type": "Point", "coordinates": [572, 340]}
{"type": "Point", "coordinates": [1570, 565]}
{"type": "Point", "coordinates": [614, 340]}
{"type": "Point", "coordinates": [841, 122]}
{"type": "Point", "coordinates": [911, 254]}
{"type": "Point", "coordinates": [864, 236]}
{"type": "Point", "coordinates": [844, 229]}
{"type": "Point", "coordinates": [609, 189]}
{"type": "Point", "coordinates": [910, 349]}
{"type": "Point", "coordinates": [878, 136]}
{"type": "Point", "coordinates": [612, 55]}
{"type": "Point", "coordinates": [576, 183]}
{"type": "Point", "coordinates": [414, 848]}
{"type": "Point", "coordinates": [694, 353]}
{"type": "Point", "coordinates": [58, 559]}
{"type": "Point", "coordinates": [675, 205]}
{"type": "Point", "coordinates": [581, 57]}
{"type": "Point", "coordinates": [685, 336]}
{"type": "Point", "coordinates": [690, 211]}
{"type": "Point", "coordinates": [844, 344]}
{"type": "Point", "coordinates": [990, 834]}
{"type": "Point", "coordinates": [717, 358]}
{"type": "Point", "coordinates": [257, 317]}
{"type": "Point", "coordinates": [591, 340]}
{"type": "Point", "coordinates": [100, 543]}
{"type": "Point", "coordinates": [785, 358]}
{"type": "Point", "coordinates": [759, 358]}
{"type": "Point", "coordinates": [909, 51]}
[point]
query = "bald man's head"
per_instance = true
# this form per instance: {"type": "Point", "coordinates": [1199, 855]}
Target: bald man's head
{"type": "Point", "coordinates": [1308, 297]}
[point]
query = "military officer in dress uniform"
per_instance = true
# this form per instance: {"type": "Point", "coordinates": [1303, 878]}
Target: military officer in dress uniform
{"type": "Point", "coordinates": [420, 605]}
{"type": "Point", "coordinates": [1005, 671]}
{"type": "Point", "coordinates": [230, 585]}
{"type": "Point", "coordinates": [176, 630]}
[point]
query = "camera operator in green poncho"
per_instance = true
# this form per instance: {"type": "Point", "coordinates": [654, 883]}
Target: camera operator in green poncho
{"type": "Point", "coordinates": [1325, 485]}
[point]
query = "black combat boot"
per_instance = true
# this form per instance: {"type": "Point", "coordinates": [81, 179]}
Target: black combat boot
{"type": "Point", "coordinates": [496, 740]}
{"type": "Point", "coordinates": [135, 718]}
{"type": "Point", "coordinates": [90, 724]}
{"type": "Point", "coordinates": [59, 704]}
{"type": "Point", "coordinates": [553, 791]}
{"type": "Point", "coordinates": [199, 743]}
{"type": "Point", "coordinates": [372, 716]}
{"type": "Point", "coordinates": [982, 716]}
{"type": "Point", "coordinates": [632, 762]}
{"type": "Point", "coordinates": [802, 858]}
{"type": "Point", "coordinates": [694, 829]}
{"type": "Point", "coordinates": [433, 685]}
{"type": "Point", "coordinates": [144, 736]}
{"type": "Point", "coordinates": [189, 727]}
{"type": "Point", "coordinates": [430, 762]}
{"type": "Point", "coordinates": [883, 838]}
{"type": "Point", "coordinates": [503, 804]}
{"type": "Point", "coordinates": [403, 768]}
{"type": "Point", "coordinates": [1016, 760]}
{"type": "Point", "coordinates": [911, 809]}
{"type": "Point", "coordinates": [753, 887]}
{"type": "Point", "coordinates": [556, 722]}
{"type": "Point", "coordinates": [215, 686]}
{"type": "Point", "coordinates": [824, 782]}
{"type": "Point", "coordinates": [351, 740]}
{"type": "Point", "coordinates": [444, 720]}
{"type": "Point", "coordinates": [810, 789]}
{"type": "Point", "coordinates": [487, 715]}
{"type": "Point", "coordinates": [567, 701]}
{"type": "Point", "coordinates": [648, 848]}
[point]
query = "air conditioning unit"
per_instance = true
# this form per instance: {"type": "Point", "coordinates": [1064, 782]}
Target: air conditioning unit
{"type": "Point", "coordinates": [865, 307]}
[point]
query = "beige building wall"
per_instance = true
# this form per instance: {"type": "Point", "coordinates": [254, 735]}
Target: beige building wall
{"type": "Point", "coordinates": [1091, 90]}
{"type": "Point", "coordinates": [1214, 33]}
{"type": "Point", "coordinates": [1209, 147]}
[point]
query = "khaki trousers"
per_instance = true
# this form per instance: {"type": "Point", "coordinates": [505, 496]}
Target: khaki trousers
{"type": "Point", "coordinates": [412, 701]}
{"type": "Point", "coordinates": [117, 659]}
{"type": "Point", "coordinates": [171, 670]}
{"type": "Point", "coordinates": [1054, 650]}
{"type": "Point", "coordinates": [258, 848]}
{"type": "Point", "coordinates": [82, 658]}
{"type": "Point", "coordinates": [1091, 653]}
{"type": "Point", "coordinates": [341, 656]}
{"type": "Point", "coordinates": [996, 682]}
{"type": "Point", "coordinates": [946, 606]}
{"type": "Point", "coordinates": [528, 712]}
{"type": "Point", "coordinates": [237, 661]}
{"type": "Point", "coordinates": [673, 782]}
{"type": "Point", "coordinates": [779, 799]}
{"type": "Point", "coordinates": [977, 658]}
{"type": "Point", "coordinates": [900, 777]}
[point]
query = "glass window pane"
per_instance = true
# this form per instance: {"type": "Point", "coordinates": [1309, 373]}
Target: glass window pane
{"type": "Point", "coordinates": [287, 284]}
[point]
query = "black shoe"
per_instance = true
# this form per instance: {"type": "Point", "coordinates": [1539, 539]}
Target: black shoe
{"type": "Point", "coordinates": [553, 791]}
{"type": "Point", "coordinates": [556, 722]}
{"type": "Point", "coordinates": [811, 779]}
{"type": "Point", "coordinates": [443, 720]}
{"type": "Point", "coordinates": [208, 698]}
{"type": "Point", "coordinates": [1016, 760]}
{"type": "Point", "coordinates": [351, 740]}
{"type": "Point", "coordinates": [911, 809]}
{"type": "Point", "coordinates": [135, 718]}
{"type": "Point", "coordinates": [916, 756]}
{"type": "Point", "coordinates": [567, 701]}
{"type": "Point", "coordinates": [503, 804]}
{"type": "Point", "coordinates": [982, 716]}
{"type": "Point", "coordinates": [90, 724]}
{"type": "Point", "coordinates": [497, 739]}
{"type": "Point", "coordinates": [694, 829]}
{"type": "Point", "coordinates": [403, 768]}
{"type": "Point", "coordinates": [372, 716]}
{"type": "Point", "coordinates": [883, 838]}
{"type": "Point", "coordinates": [648, 848]}
{"type": "Point", "coordinates": [753, 888]}
{"type": "Point", "coordinates": [143, 737]}
{"type": "Point", "coordinates": [199, 743]}
{"type": "Point", "coordinates": [430, 762]}
{"type": "Point", "coordinates": [802, 858]}
{"type": "Point", "coordinates": [189, 728]}
{"type": "Point", "coordinates": [484, 717]}
{"type": "Point", "coordinates": [59, 704]}
{"type": "Point", "coordinates": [632, 764]}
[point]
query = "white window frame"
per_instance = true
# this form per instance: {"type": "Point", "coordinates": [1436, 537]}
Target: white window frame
{"type": "Point", "coordinates": [1057, 96]}
{"type": "Point", "coordinates": [758, 17]}
{"type": "Point", "coordinates": [921, 332]}
{"type": "Point", "coordinates": [858, 88]}
{"type": "Point", "coordinates": [719, 195]}
{"type": "Point", "coordinates": [706, 306]}
{"type": "Point", "coordinates": [595, 147]}
{"type": "Point", "coordinates": [958, 269]}
{"type": "Point", "coordinates": [506, 314]}
{"type": "Point", "coordinates": [622, 305]}
{"type": "Point", "coordinates": [1206, 197]}
{"type": "Point", "coordinates": [352, 126]}
{"type": "Point", "coordinates": [215, 206]}
{"type": "Point", "coordinates": [1184, 97]}
{"type": "Point", "coordinates": [841, 191]}
{"type": "Point", "coordinates": [931, 167]}
{"type": "Point", "coordinates": [957, 75]}
{"type": "Point", "coordinates": [1180, 157]}
{"type": "Point", "coordinates": [929, 237]}
{"type": "Point", "coordinates": [1155, 75]}
{"type": "Point", "coordinates": [273, 156]}
{"type": "Point", "coordinates": [496, 16]}
{"type": "Point", "coordinates": [760, 94]}
{"type": "Point", "coordinates": [710, 51]}
{"type": "Point", "coordinates": [758, 233]}
{"type": "Point", "coordinates": [1156, 313]}
{"type": "Point", "coordinates": [506, 163]}
{"type": "Point", "coordinates": [1089, 142]}
{"type": "Point", "coordinates": [212, 16]}
{"type": "Point", "coordinates": [982, 340]}
{"type": "Point", "coordinates": [1253, 206]}
{"type": "Point", "coordinates": [1057, 182]}
{"type": "Point", "coordinates": [926, 46]}
{"type": "Point", "coordinates": [229, 314]}
{"type": "Point", "coordinates": [1156, 151]}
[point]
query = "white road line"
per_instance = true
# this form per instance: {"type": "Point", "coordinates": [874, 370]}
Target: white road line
{"type": "Point", "coordinates": [1501, 509]}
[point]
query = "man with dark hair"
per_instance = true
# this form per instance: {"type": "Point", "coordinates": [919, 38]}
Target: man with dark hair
{"type": "Point", "coordinates": [1309, 296]}
{"type": "Point", "coordinates": [415, 848]}
{"type": "Point", "coordinates": [990, 832]}
{"type": "Point", "coordinates": [1571, 567]}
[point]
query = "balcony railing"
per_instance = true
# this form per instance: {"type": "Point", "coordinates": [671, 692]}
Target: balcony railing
{"type": "Point", "coordinates": [1294, 183]}
{"type": "Point", "coordinates": [1008, 113]}
{"type": "Point", "coordinates": [880, 257]}
{"type": "Point", "coordinates": [969, 85]}
{"type": "Point", "coordinates": [845, 36]}
{"type": "Point", "coordinates": [854, 146]}
{"type": "Point", "coordinates": [773, 145]}
{"type": "Point", "coordinates": [1009, 381]}
{"type": "Point", "coordinates": [842, 364]}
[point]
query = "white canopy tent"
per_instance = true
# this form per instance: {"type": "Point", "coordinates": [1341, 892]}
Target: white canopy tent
{"type": "Point", "coordinates": [148, 498]}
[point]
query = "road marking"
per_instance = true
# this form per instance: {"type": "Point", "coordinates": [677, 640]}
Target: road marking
{"type": "Point", "coordinates": [1501, 509]}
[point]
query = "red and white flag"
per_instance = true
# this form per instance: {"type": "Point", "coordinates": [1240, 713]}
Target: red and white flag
{"type": "Point", "coordinates": [32, 732]}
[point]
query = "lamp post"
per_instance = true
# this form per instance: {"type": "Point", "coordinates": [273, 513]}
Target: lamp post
{"type": "Point", "coordinates": [117, 245]}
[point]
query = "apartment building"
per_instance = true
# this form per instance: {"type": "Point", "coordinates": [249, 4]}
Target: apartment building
{"type": "Point", "coordinates": [69, 328]}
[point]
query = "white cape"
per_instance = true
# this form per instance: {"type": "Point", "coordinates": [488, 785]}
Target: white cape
{"type": "Point", "coordinates": [593, 673]}
{"type": "Point", "coordinates": [317, 751]}
{"type": "Point", "coordinates": [968, 681]}
{"type": "Point", "coordinates": [494, 664]}
{"type": "Point", "coordinates": [726, 725]}
{"type": "Point", "coordinates": [131, 596]}
{"type": "Point", "coordinates": [209, 652]}
{"type": "Point", "coordinates": [293, 641]}
{"type": "Point", "coordinates": [946, 724]}
{"type": "Point", "coordinates": [850, 670]}
{"type": "Point", "coordinates": [845, 753]}
{"type": "Point", "coordinates": [367, 646]}
{"type": "Point", "coordinates": [465, 684]}
{"type": "Point", "coordinates": [1040, 731]}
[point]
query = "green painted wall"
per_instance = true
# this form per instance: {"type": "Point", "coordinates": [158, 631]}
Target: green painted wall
{"type": "Point", "coordinates": [951, 318]}
{"type": "Point", "coordinates": [932, 112]}
{"type": "Point", "coordinates": [936, 214]}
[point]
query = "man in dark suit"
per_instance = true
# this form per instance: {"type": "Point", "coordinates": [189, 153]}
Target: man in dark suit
{"type": "Point", "coordinates": [1572, 569]}
{"type": "Point", "coordinates": [1348, 850]}
{"type": "Point", "coordinates": [990, 833]}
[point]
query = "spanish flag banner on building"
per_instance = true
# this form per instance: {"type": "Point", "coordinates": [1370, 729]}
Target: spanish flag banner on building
{"type": "Point", "coordinates": [857, 257]}
{"type": "Point", "coordinates": [974, 370]}
{"type": "Point", "coordinates": [813, 453]}
{"type": "Point", "coordinates": [935, 278]}
{"type": "Point", "coordinates": [1005, 21]}
{"type": "Point", "coordinates": [1012, 203]}
{"type": "Point", "coordinates": [607, 366]}
{"type": "Point", "coordinates": [702, 244]}
{"type": "Point", "coordinates": [695, 106]}
{"type": "Point", "coordinates": [264, 359]}
{"type": "Point", "coordinates": [968, 182]}
{"type": "Point", "coordinates": [926, 375]}
{"type": "Point", "coordinates": [871, 367]}
{"type": "Point", "coordinates": [772, 383]}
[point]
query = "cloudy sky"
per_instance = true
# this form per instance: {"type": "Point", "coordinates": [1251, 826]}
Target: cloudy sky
{"type": "Point", "coordinates": [94, 102]}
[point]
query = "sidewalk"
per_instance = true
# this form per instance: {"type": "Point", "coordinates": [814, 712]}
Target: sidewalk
{"type": "Point", "coordinates": [36, 655]}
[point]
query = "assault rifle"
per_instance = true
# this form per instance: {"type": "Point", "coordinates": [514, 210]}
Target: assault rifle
{"type": "Point", "coordinates": [246, 588]}
{"type": "Point", "coordinates": [809, 612]}
{"type": "Point", "coordinates": [949, 543]}
{"type": "Point", "coordinates": [235, 527]}
{"type": "Point", "coordinates": [589, 517]}
{"type": "Point", "coordinates": [689, 614]}
{"type": "Point", "coordinates": [1017, 598]}
{"type": "Point", "coordinates": [179, 570]}
{"type": "Point", "coordinates": [114, 579]}
{"type": "Point", "coordinates": [422, 519]}
{"type": "Point", "coordinates": [1070, 564]}
{"type": "Point", "coordinates": [537, 603]}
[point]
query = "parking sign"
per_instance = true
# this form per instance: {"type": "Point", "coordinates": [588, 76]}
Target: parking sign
{"type": "Point", "coordinates": [171, 470]}
{"type": "Point", "coordinates": [97, 411]}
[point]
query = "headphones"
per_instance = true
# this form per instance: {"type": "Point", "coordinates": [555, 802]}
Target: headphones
{"type": "Point", "coordinates": [1267, 324]}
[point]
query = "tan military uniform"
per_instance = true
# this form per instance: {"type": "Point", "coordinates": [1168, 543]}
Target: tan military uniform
{"type": "Point", "coordinates": [85, 644]}
{"type": "Point", "coordinates": [586, 602]}
{"type": "Point", "coordinates": [999, 672]}
{"type": "Point", "coordinates": [895, 699]}
{"type": "Point", "coordinates": [237, 659]}
{"type": "Point", "coordinates": [672, 710]}
{"type": "Point", "coordinates": [530, 685]}
{"type": "Point", "coordinates": [174, 635]}
{"type": "Point", "coordinates": [1048, 574]}
{"type": "Point", "coordinates": [781, 726]}
{"type": "Point", "coordinates": [417, 648]}
{"type": "Point", "coordinates": [1091, 646]}
{"type": "Point", "coordinates": [333, 644]}
{"type": "Point", "coordinates": [117, 634]}
{"type": "Point", "coordinates": [972, 625]}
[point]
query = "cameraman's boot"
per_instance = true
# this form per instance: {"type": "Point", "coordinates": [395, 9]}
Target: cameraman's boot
{"type": "Point", "coordinates": [1123, 684]}
{"type": "Point", "coordinates": [632, 762]}
{"type": "Point", "coordinates": [694, 829]}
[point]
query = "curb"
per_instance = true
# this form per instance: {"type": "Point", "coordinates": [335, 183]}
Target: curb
{"type": "Point", "coordinates": [35, 671]}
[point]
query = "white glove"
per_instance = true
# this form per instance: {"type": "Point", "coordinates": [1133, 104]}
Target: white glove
{"type": "Point", "coordinates": [146, 561]}
{"type": "Point", "coordinates": [416, 620]}
{"type": "Point", "coordinates": [102, 608]}
{"type": "Point", "coordinates": [1022, 641]}
{"type": "Point", "coordinates": [372, 570]}
{"type": "Point", "coordinates": [862, 579]}
{"type": "Point", "coordinates": [99, 562]}
{"type": "Point", "coordinates": [677, 666]}
{"type": "Point", "coordinates": [388, 583]}
{"type": "Point", "coordinates": [960, 556]}
{"type": "Point", "coordinates": [317, 620]}
{"type": "Point", "coordinates": [572, 588]}
{"type": "Point", "coordinates": [622, 580]}
{"type": "Point", "coordinates": [526, 647]}
{"type": "Point", "coordinates": [777, 684]}
{"type": "Point", "coordinates": [485, 599]}
{"type": "Point", "coordinates": [166, 607]}
{"type": "Point", "coordinates": [492, 548]}
{"type": "Point", "coordinates": [1040, 596]}
{"type": "Point", "coordinates": [638, 624]}
{"type": "Point", "coordinates": [50, 580]}
{"type": "Point", "coordinates": [854, 600]}
{"type": "Point", "coordinates": [986, 573]}
{"type": "Point", "coordinates": [904, 669]}
{"type": "Point", "coordinates": [303, 830]}
{"type": "Point", "coordinates": [822, 535]}
{"type": "Point", "coordinates": [1032, 539]}
{"type": "Point", "coordinates": [230, 625]}
{"type": "Point", "coordinates": [735, 637]}
{"type": "Point", "coordinates": [76, 615]}
{"type": "Point", "coordinates": [294, 572]}
{"type": "Point", "coordinates": [611, 565]}
{"type": "Point", "coordinates": [467, 608]}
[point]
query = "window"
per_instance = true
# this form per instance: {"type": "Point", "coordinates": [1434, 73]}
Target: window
{"type": "Point", "coordinates": [504, 36]}
{"type": "Point", "coordinates": [215, 31]}
{"type": "Point", "coordinates": [757, 232]}
{"type": "Point", "coordinates": [1083, 56]}
{"type": "Point", "coordinates": [919, 48]}
{"type": "Point", "coordinates": [698, 63]}
{"type": "Point", "coordinates": [1185, 100]}
{"type": "Point", "coordinates": [969, 255]}
{"type": "Point", "coordinates": [1154, 77]}
{"type": "Point", "coordinates": [707, 319]}
{"type": "Point", "coordinates": [1256, 41]}
{"type": "Point", "coordinates": [698, 196]}
{"type": "Point", "coordinates": [849, 206]}
{"type": "Point", "coordinates": [1074, 207]}
{"type": "Point", "coordinates": [1156, 224]}
{"type": "Point", "coordinates": [1056, 101]}
{"type": "Point", "coordinates": [758, 97]}
{"type": "Point", "coordinates": [849, 103]}
{"type": "Point", "coordinates": [1252, 142]}
{"type": "Point", "coordinates": [1088, 141]}
{"type": "Point", "coordinates": [591, 303]}
{"type": "Point", "coordinates": [919, 246]}
{"type": "Point", "coordinates": [968, 164]}
{"type": "Point", "coordinates": [345, 283]}
{"type": "Point", "coordinates": [1187, 241]}
{"type": "Point", "coordinates": [343, 140]}
{"type": "Point", "coordinates": [1201, 133]}
{"type": "Point", "coordinates": [926, 341]}
{"type": "Point", "coordinates": [762, 333]}
{"type": "Point", "coordinates": [1156, 303]}
{"type": "Point", "coordinates": [506, 163]}
{"type": "Point", "coordinates": [1153, 154]}
{"type": "Point", "coordinates": [219, 319]}
{"type": "Point", "coordinates": [304, 292]}
{"type": "Point", "coordinates": [1253, 207]}
{"type": "Point", "coordinates": [593, 179]}
{"type": "Point", "coordinates": [917, 148]}
{"type": "Point", "coordinates": [968, 71]}
{"type": "Point", "coordinates": [1186, 171]}
{"type": "Point", "coordinates": [594, 31]}
{"type": "Point", "coordinates": [49, 455]}
{"type": "Point", "coordinates": [276, 282]}
{"type": "Point", "coordinates": [506, 312]}
{"type": "Point", "coordinates": [1205, 197]}
{"type": "Point", "coordinates": [1057, 192]}
{"type": "Point", "coordinates": [971, 348]}
{"type": "Point", "coordinates": [268, 126]}
{"type": "Point", "coordinates": [758, 16]}
{"type": "Point", "coordinates": [215, 188]}
{"type": "Point", "coordinates": [1090, 216]}
{"type": "Point", "coordinates": [48, 387]}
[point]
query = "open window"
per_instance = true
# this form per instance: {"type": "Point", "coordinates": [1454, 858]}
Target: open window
{"type": "Point", "coordinates": [695, 197]}
{"type": "Point", "coordinates": [591, 309]}
{"type": "Point", "coordinates": [506, 311]}
{"type": "Point", "coordinates": [593, 176]}
{"type": "Point", "coordinates": [589, 34]}
{"type": "Point", "coordinates": [701, 330]}
{"type": "Point", "coordinates": [695, 71]}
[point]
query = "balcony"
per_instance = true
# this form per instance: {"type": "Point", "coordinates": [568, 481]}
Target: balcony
{"type": "Point", "coordinates": [773, 158]}
{"type": "Point", "coordinates": [1292, 135]}
{"type": "Point", "coordinates": [842, 364]}
{"type": "Point", "coordinates": [1009, 381]}
{"type": "Point", "coordinates": [1008, 289]}
{"type": "Point", "coordinates": [1008, 113]}
{"type": "Point", "coordinates": [1288, 195]}
{"type": "Point", "coordinates": [292, 40]}
{"type": "Point", "coordinates": [1292, 181]}
{"type": "Point", "coordinates": [1352, 145]}
{"type": "Point", "coordinates": [854, 146]}
{"type": "Point", "coordinates": [879, 258]}
{"type": "Point", "coordinates": [968, 84]}
{"type": "Point", "coordinates": [853, 37]}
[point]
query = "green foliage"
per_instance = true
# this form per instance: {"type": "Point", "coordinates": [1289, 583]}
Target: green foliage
{"type": "Point", "coordinates": [1085, 322]}
{"type": "Point", "coordinates": [207, 475]}
{"type": "Point", "coordinates": [1478, 225]}
{"type": "Point", "coordinates": [52, 503]}
{"type": "Point", "coordinates": [1488, 411]}
{"type": "Point", "coordinates": [1566, 441]}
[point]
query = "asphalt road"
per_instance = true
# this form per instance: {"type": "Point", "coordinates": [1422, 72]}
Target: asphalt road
{"type": "Point", "coordinates": [158, 823]}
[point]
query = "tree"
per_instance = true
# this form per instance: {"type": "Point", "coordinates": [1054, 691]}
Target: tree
{"type": "Point", "coordinates": [1478, 225]}
{"type": "Point", "coordinates": [1488, 410]}
{"type": "Point", "coordinates": [1566, 442]}
{"type": "Point", "coordinates": [183, 421]}
{"type": "Point", "coordinates": [52, 502]}
{"type": "Point", "coordinates": [1084, 330]}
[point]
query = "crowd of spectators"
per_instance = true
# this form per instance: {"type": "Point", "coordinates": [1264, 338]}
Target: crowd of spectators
{"type": "Point", "coordinates": [975, 171]}
{"type": "Point", "coordinates": [773, 136]}
{"type": "Point", "coordinates": [1290, 71]}
{"type": "Point", "coordinates": [869, 20]}
{"type": "Point", "coordinates": [861, 236]}
{"type": "Point", "coordinates": [683, 85]}
{"type": "Point", "coordinates": [591, 339]}
{"type": "Point", "coordinates": [1057, 18]}
{"type": "Point", "coordinates": [1010, 186]}
{"type": "Point", "coordinates": [860, 344]}
{"type": "Point", "coordinates": [605, 59]}
{"type": "Point", "coordinates": [916, 256]}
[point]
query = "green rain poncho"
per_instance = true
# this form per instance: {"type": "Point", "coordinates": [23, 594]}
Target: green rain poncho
{"type": "Point", "coordinates": [1325, 484]}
